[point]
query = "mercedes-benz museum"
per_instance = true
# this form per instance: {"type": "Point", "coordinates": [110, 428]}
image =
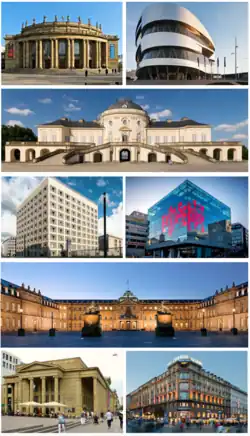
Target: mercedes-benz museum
{"type": "Point", "coordinates": [171, 43]}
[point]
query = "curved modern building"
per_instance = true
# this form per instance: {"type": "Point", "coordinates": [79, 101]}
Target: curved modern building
{"type": "Point", "coordinates": [171, 43]}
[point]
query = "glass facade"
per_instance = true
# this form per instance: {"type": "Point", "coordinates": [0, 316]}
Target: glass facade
{"type": "Point", "coordinates": [188, 213]}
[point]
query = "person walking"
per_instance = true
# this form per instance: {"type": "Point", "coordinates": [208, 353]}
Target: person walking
{"type": "Point", "coordinates": [61, 423]}
{"type": "Point", "coordinates": [83, 418]}
{"type": "Point", "coordinates": [121, 420]}
{"type": "Point", "coordinates": [109, 417]}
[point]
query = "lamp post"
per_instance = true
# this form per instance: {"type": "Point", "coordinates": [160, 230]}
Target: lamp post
{"type": "Point", "coordinates": [52, 331]}
{"type": "Point", "coordinates": [203, 312]}
{"type": "Point", "coordinates": [21, 331]}
{"type": "Point", "coordinates": [233, 317]}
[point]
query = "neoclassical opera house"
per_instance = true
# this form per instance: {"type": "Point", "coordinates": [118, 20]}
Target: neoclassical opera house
{"type": "Point", "coordinates": [123, 132]}
{"type": "Point", "coordinates": [61, 44]}
{"type": "Point", "coordinates": [171, 43]}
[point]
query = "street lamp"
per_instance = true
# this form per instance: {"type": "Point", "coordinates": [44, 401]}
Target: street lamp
{"type": "Point", "coordinates": [203, 330]}
{"type": "Point", "coordinates": [52, 330]}
{"type": "Point", "coordinates": [233, 317]}
{"type": "Point", "coordinates": [203, 311]}
{"type": "Point", "coordinates": [21, 331]}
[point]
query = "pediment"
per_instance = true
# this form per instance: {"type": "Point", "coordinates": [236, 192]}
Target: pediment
{"type": "Point", "coordinates": [36, 366]}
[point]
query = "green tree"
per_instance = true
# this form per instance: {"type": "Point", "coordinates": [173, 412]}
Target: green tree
{"type": "Point", "coordinates": [16, 133]}
{"type": "Point", "coordinates": [244, 152]}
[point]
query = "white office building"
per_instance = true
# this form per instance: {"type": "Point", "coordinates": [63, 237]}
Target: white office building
{"type": "Point", "coordinates": [55, 219]}
{"type": "Point", "coordinates": [9, 247]}
{"type": "Point", "coordinates": [9, 361]}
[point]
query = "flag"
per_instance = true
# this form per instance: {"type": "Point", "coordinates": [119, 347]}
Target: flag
{"type": "Point", "coordinates": [204, 62]}
{"type": "Point", "coordinates": [225, 62]}
{"type": "Point", "coordinates": [198, 62]}
{"type": "Point", "coordinates": [218, 62]}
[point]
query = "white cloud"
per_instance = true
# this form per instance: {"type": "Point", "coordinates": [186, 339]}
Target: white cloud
{"type": "Point", "coordinates": [165, 113]}
{"type": "Point", "coordinates": [139, 97]}
{"type": "Point", "coordinates": [71, 107]}
{"type": "Point", "coordinates": [14, 191]}
{"type": "Point", "coordinates": [109, 202]}
{"type": "Point", "coordinates": [101, 183]}
{"type": "Point", "coordinates": [114, 222]}
{"type": "Point", "coordinates": [239, 136]}
{"type": "Point", "coordinates": [67, 97]}
{"type": "Point", "coordinates": [145, 106]}
{"type": "Point", "coordinates": [15, 123]}
{"type": "Point", "coordinates": [45, 100]}
{"type": "Point", "coordinates": [21, 112]}
{"type": "Point", "coordinates": [231, 127]}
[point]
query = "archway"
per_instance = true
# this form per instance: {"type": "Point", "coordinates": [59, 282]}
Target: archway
{"type": "Point", "coordinates": [15, 155]}
{"type": "Point", "coordinates": [203, 151]}
{"type": "Point", "coordinates": [190, 149]}
{"type": "Point", "coordinates": [30, 154]}
{"type": "Point", "coordinates": [168, 157]}
{"type": "Point", "coordinates": [125, 155]}
{"type": "Point", "coordinates": [44, 151]}
{"type": "Point", "coordinates": [231, 154]}
{"type": "Point", "coordinates": [216, 153]}
{"type": "Point", "coordinates": [97, 157]}
{"type": "Point", "coordinates": [152, 157]}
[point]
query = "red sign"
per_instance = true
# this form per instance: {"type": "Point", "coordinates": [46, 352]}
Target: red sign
{"type": "Point", "coordinates": [191, 213]}
{"type": "Point", "coordinates": [10, 52]}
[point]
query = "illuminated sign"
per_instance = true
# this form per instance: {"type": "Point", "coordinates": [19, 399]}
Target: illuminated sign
{"type": "Point", "coordinates": [185, 359]}
{"type": "Point", "coordinates": [191, 213]}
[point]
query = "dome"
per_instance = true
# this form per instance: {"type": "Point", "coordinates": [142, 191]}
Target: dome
{"type": "Point", "coordinates": [125, 104]}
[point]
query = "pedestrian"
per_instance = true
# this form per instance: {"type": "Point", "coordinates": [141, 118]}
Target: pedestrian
{"type": "Point", "coordinates": [83, 418]}
{"type": "Point", "coordinates": [121, 420]}
{"type": "Point", "coordinates": [86, 73]}
{"type": "Point", "coordinates": [109, 417]}
{"type": "Point", "coordinates": [61, 423]}
{"type": "Point", "coordinates": [107, 71]}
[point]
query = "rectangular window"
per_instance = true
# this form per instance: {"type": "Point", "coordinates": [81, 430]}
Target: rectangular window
{"type": "Point", "coordinates": [112, 51]}
{"type": "Point", "coordinates": [173, 139]}
{"type": "Point", "coordinates": [194, 138]}
{"type": "Point", "coordinates": [203, 138]}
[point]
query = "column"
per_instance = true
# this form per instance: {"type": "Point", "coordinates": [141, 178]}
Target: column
{"type": "Point", "coordinates": [72, 53]}
{"type": "Point", "coordinates": [100, 54]}
{"type": "Point", "coordinates": [52, 55]}
{"type": "Point", "coordinates": [97, 54]}
{"type": "Point", "coordinates": [87, 54]}
{"type": "Point", "coordinates": [43, 400]}
{"type": "Point", "coordinates": [24, 60]}
{"type": "Point", "coordinates": [19, 395]}
{"type": "Point", "coordinates": [83, 51]}
{"type": "Point", "coordinates": [31, 394]}
{"type": "Point", "coordinates": [37, 54]}
{"type": "Point", "coordinates": [68, 54]}
{"type": "Point", "coordinates": [107, 55]}
{"type": "Point", "coordinates": [15, 405]}
{"type": "Point", "coordinates": [40, 65]}
{"type": "Point", "coordinates": [56, 54]}
{"type": "Point", "coordinates": [27, 55]}
{"type": "Point", "coordinates": [95, 395]}
{"type": "Point", "coordinates": [56, 392]}
{"type": "Point", "coordinates": [5, 397]}
{"type": "Point", "coordinates": [78, 396]}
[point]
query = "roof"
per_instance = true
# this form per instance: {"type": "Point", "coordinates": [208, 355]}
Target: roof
{"type": "Point", "coordinates": [184, 122]}
{"type": "Point", "coordinates": [66, 122]}
{"type": "Point", "coordinates": [125, 103]}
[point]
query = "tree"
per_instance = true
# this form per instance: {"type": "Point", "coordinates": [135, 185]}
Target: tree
{"type": "Point", "coordinates": [16, 133]}
{"type": "Point", "coordinates": [244, 153]}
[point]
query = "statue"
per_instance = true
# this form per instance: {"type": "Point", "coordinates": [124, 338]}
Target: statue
{"type": "Point", "coordinates": [34, 21]}
{"type": "Point", "coordinates": [89, 22]}
{"type": "Point", "coordinates": [22, 25]}
{"type": "Point", "coordinates": [91, 319]}
{"type": "Point", "coordinates": [79, 20]}
{"type": "Point", "coordinates": [26, 23]}
{"type": "Point", "coordinates": [44, 18]}
{"type": "Point", "coordinates": [93, 308]}
{"type": "Point", "coordinates": [62, 18]}
{"type": "Point", "coordinates": [97, 24]}
{"type": "Point", "coordinates": [56, 18]}
{"type": "Point", "coordinates": [67, 18]}
{"type": "Point", "coordinates": [162, 308]}
{"type": "Point", "coordinates": [100, 27]}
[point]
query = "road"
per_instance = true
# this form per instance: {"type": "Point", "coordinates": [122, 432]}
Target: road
{"type": "Point", "coordinates": [125, 339]}
{"type": "Point", "coordinates": [60, 79]}
{"type": "Point", "coordinates": [194, 165]}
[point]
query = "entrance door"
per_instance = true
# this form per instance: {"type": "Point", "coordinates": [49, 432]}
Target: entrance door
{"type": "Point", "coordinates": [124, 137]}
{"type": "Point", "coordinates": [125, 155]}
{"type": "Point", "coordinates": [128, 325]}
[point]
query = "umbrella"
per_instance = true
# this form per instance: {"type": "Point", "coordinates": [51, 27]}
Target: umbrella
{"type": "Point", "coordinates": [54, 404]}
{"type": "Point", "coordinates": [30, 403]}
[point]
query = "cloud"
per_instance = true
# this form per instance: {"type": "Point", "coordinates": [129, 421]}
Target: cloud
{"type": "Point", "coordinates": [45, 100]}
{"type": "Point", "coordinates": [240, 136]}
{"type": "Point", "coordinates": [67, 97]}
{"type": "Point", "coordinates": [165, 113]}
{"type": "Point", "coordinates": [101, 183]}
{"type": "Point", "coordinates": [91, 191]}
{"type": "Point", "coordinates": [14, 191]}
{"type": "Point", "coordinates": [145, 106]}
{"type": "Point", "coordinates": [15, 123]}
{"type": "Point", "coordinates": [71, 107]}
{"type": "Point", "coordinates": [231, 127]}
{"type": "Point", "coordinates": [21, 112]}
{"type": "Point", "coordinates": [139, 97]}
{"type": "Point", "coordinates": [110, 203]}
{"type": "Point", "coordinates": [114, 222]}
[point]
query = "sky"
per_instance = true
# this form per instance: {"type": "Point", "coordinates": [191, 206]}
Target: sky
{"type": "Point", "coordinates": [223, 20]}
{"type": "Point", "coordinates": [16, 189]}
{"type": "Point", "coordinates": [110, 280]}
{"type": "Point", "coordinates": [108, 14]}
{"type": "Point", "coordinates": [110, 365]}
{"type": "Point", "coordinates": [144, 192]}
{"type": "Point", "coordinates": [225, 110]}
{"type": "Point", "coordinates": [144, 365]}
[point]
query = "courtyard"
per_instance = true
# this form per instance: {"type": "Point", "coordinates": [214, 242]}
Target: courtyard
{"type": "Point", "coordinates": [131, 339]}
{"type": "Point", "coordinates": [62, 79]}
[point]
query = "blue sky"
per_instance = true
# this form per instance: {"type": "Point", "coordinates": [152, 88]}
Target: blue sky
{"type": "Point", "coordinates": [223, 20]}
{"type": "Point", "coordinates": [108, 14]}
{"type": "Point", "coordinates": [144, 365]}
{"type": "Point", "coordinates": [144, 192]}
{"type": "Point", "coordinates": [225, 110]}
{"type": "Point", "coordinates": [109, 280]}
{"type": "Point", "coordinates": [16, 189]}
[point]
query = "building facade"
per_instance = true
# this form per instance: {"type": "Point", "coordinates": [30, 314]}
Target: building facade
{"type": "Point", "coordinates": [136, 234]}
{"type": "Point", "coordinates": [124, 132]}
{"type": "Point", "coordinates": [28, 308]}
{"type": "Point", "coordinates": [239, 403]}
{"type": "Point", "coordinates": [185, 390]}
{"type": "Point", "coordinates": [9, 361]}
{"type": "Point", "coordinates": [66, 381]}
{"type": "Point", "coordinates": [239, 237]}
{"type": "Point", "coordinates": [189, 222]}
{"type": "Point", "coordinates": [61, 45]}
{"type": "Point", "coordinates": [113, 245]}
{"type": "Point", "coordinates": [9, 247]}
{"type": "Point", "coordinates": [55, 219]}
{"type": "Point", "coordinates": [171, 43]}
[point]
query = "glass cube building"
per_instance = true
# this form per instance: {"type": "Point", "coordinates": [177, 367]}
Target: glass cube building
{"type": "Point", "coordinates": [188, 214]}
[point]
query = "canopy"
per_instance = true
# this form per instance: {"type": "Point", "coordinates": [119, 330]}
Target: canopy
{"type": "Point", "coordinates": [31, 403]}
{"type": "Point", "coordinates": [54, 404]}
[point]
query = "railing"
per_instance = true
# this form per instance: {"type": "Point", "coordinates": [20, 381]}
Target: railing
{"type": "Point", "coordinates": [47, 155]}
{"type": "Point", "coordinates": [201, 155]}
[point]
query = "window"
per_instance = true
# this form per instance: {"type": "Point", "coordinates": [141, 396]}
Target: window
{"type": "Point", "coordinates": [194, 138]}
{"type": "Point", "coordinates": [112, 51]}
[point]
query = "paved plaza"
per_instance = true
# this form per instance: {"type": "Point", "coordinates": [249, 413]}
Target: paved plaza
{"type": "Point", "coordinates": [193, 429]}
{"type": "Point", "coordinates": [201, 82]}
{"type": "Point", "coordinates": [125, 339]}
{"type": "Point", "coordinates": [61, 79]}
{"type": "Point", "coordinates": [195, 164]}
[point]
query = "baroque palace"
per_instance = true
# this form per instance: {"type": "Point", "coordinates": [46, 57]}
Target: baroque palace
{"type": "Point", "coordinates": [66, 381]}
{"type": "Point", "coordinates": [61, 44]}
{"type": "Point", "coordinates": [225, 309]}
{"type": "Point", "coordinates": [187, 390]}
{"type": "Point", "coordinates": [124, 132]}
